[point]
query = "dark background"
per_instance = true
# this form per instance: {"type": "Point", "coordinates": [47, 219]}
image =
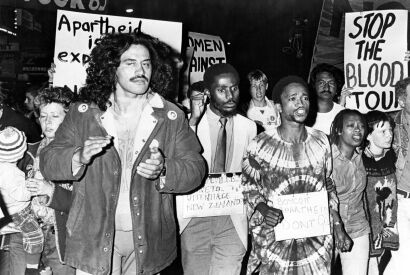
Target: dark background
{"type": "Point", "coordinates": [258, 31]}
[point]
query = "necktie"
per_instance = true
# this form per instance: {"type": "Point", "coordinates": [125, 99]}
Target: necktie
{"type": "Point", "coordinates": [220, 153]}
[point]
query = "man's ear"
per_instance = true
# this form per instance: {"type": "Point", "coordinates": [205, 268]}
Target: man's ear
{"type": "Point", "coordinates": [278, 107]}
{"type": "Point", "coordinates": [206, 92]}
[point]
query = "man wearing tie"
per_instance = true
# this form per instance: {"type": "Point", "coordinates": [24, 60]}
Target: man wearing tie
{"type": "Point", "coordinates": [216, 245]}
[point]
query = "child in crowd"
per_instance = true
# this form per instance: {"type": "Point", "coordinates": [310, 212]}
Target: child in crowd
{"type": "Point", "coordinates": [381, 199]}
{"type": "Point", "coordinates": [346, 136]}
{"type": "Point", "coordinates": [17, 198]}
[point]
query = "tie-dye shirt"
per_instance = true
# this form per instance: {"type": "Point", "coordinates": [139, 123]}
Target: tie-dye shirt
{"type": "Point", "coordinates": [270, 168]}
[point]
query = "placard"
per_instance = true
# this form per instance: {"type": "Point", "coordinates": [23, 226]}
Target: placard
{"type": "Point", "coordinates": [77, 33]}
{"type": "Point", "coordinates": [208, 50]}
{"type": "Point", "coordinates": [221, 195]}
{"type": "Point", "coordinates": [375, 45]}
{"type": "Point", "coordinates": [304, 215]}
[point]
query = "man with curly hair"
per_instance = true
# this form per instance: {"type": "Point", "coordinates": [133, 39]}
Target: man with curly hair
{"type": "Point", "coordinates": [127, 149]}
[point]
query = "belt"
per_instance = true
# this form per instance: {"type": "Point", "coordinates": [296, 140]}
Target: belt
{"type": "Point", "coordinates": [403, 193]}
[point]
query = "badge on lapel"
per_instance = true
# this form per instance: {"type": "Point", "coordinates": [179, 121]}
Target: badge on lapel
{"type": "Point", "coordinates": [82, 108]}
{"type": "Point", "coordinates": [172, 115]}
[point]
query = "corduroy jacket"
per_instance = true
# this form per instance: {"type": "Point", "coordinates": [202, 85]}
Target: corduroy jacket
{"type": "Point", "coordinates": [90, 226]}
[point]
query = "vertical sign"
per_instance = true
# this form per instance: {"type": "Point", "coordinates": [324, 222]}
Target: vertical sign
{"type": "Point", "coordinates": [208, 50]}
{"type": "Point", "coordinates": [375, 45]}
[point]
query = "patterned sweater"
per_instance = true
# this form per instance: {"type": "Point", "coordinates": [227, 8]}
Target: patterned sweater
{"type": "Point", "coordinates": [381, 202]}
{"type": "Point", "coordinates": [274, 167]}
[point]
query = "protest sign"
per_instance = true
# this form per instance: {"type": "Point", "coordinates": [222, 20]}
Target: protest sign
{"type": "Point", "coordinates": [304, 215]}
{"type": "Point", "coordinates": [208, 50]}
{"type": "Point", "coordinates": [77, 33]}
{"type": "Point", "coordinates": [375, 45]}
{"type": "Point", "coordinates": [221, 195]}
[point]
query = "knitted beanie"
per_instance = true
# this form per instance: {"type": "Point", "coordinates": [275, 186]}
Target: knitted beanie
{"type": "Point", "coordinates": [12, 144]}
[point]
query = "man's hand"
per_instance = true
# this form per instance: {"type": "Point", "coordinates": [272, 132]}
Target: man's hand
{"type": "Point", "coordinates": [152, 167]}
{"type": "Point", "coordinates": [51, 71]}
{"type": "Point", "coordinates": [92, 146]}
{"type": "Point", "coordinates": [345, 93]}
{"type": "Point", "coordinates": [272, 216]}
{"type": "Point", "coordinates": [342, 240]}
{"type": "Point", "coordinates": [197, 109]}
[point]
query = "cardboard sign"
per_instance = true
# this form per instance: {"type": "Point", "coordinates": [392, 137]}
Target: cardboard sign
{"type": "Point", "coordinates": [375, 45]}
{"type": "Point", "coordinates": [304, 215]}
{"type": "Point", "coordinates": [76, 35]}
{"type": "Point", "coordinates": [208, 50]}
{"type": "Point", "coordinates": [221, 195]}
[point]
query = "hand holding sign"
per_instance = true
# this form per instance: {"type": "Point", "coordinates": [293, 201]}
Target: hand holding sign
{"type": "Point", "coordinates": [346, 92]}
{"type": "Point", "coordinates": [272, 216]}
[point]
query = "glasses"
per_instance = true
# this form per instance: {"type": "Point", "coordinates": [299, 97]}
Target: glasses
{"type": "Point", "coordinates": [323, 83]}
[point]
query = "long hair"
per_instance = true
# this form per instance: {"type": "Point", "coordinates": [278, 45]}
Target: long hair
{"type": "Point", "coordinates": [106, 57]}
{"type": "Point", "coordinates": [337, 125]}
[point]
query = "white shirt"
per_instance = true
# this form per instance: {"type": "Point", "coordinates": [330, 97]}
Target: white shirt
{"type": "Point", "coordinates": [266, 116]}
{"type": "Point", "coordinates": [324, 120]}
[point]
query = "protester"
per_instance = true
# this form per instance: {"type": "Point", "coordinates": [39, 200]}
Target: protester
{"type": "Point", "coordinates": [399, 258]}
{"type": "Point", "coordinates": [381, 199]}
{"type": "Point", "coordinates": [217, 245]}
{"type": "Point", "coordinates": [347, 134]}
{"type": "Point", "coordinates": [17, 198]}
{"type": "Point", "coordinates": [326, 80]}
{"type": "Point", "coordinates": [9, 117]}
{"type": "Point", "coordinates": [53, 200]}
{"type": "Point", "coordinates": [273, 161]}
{"type": "Point", "coordinates": [261, 109]}
{"type": "Point", "coordinates": [31, 94]}
{"type": "Point", "coordinates": [127, 150]}
{"type": "Point", "coordinates": [53, 104]}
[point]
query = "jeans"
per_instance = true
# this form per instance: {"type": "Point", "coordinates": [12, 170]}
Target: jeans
{"type": "Point", "coordinates": [13, 261]}
{"type": "Point", "coordinates": [356, 261]}
{"type": "Point", "coordinates": [123, 262]}
{"type": "Point", "coordinates": [50, 256]}
{"type": "Point", "coordinates": [211, 245]}
{"type": "Point", "coordinates": [399, 259]}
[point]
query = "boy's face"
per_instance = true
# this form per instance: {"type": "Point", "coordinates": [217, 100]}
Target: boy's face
{"type": "Point", "coordinates": [381, 136]}
{"type": "Point", "coordinates": [258, 90]}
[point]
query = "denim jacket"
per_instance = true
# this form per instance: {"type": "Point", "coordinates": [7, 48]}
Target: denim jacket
{"type": "Point", "coordinates": [90, 226]}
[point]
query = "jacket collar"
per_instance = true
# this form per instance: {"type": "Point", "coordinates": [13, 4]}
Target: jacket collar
{"type": "Point", "coordinates": [155, 101]}
{"type": "Point", "coordinates": [337, 154]}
